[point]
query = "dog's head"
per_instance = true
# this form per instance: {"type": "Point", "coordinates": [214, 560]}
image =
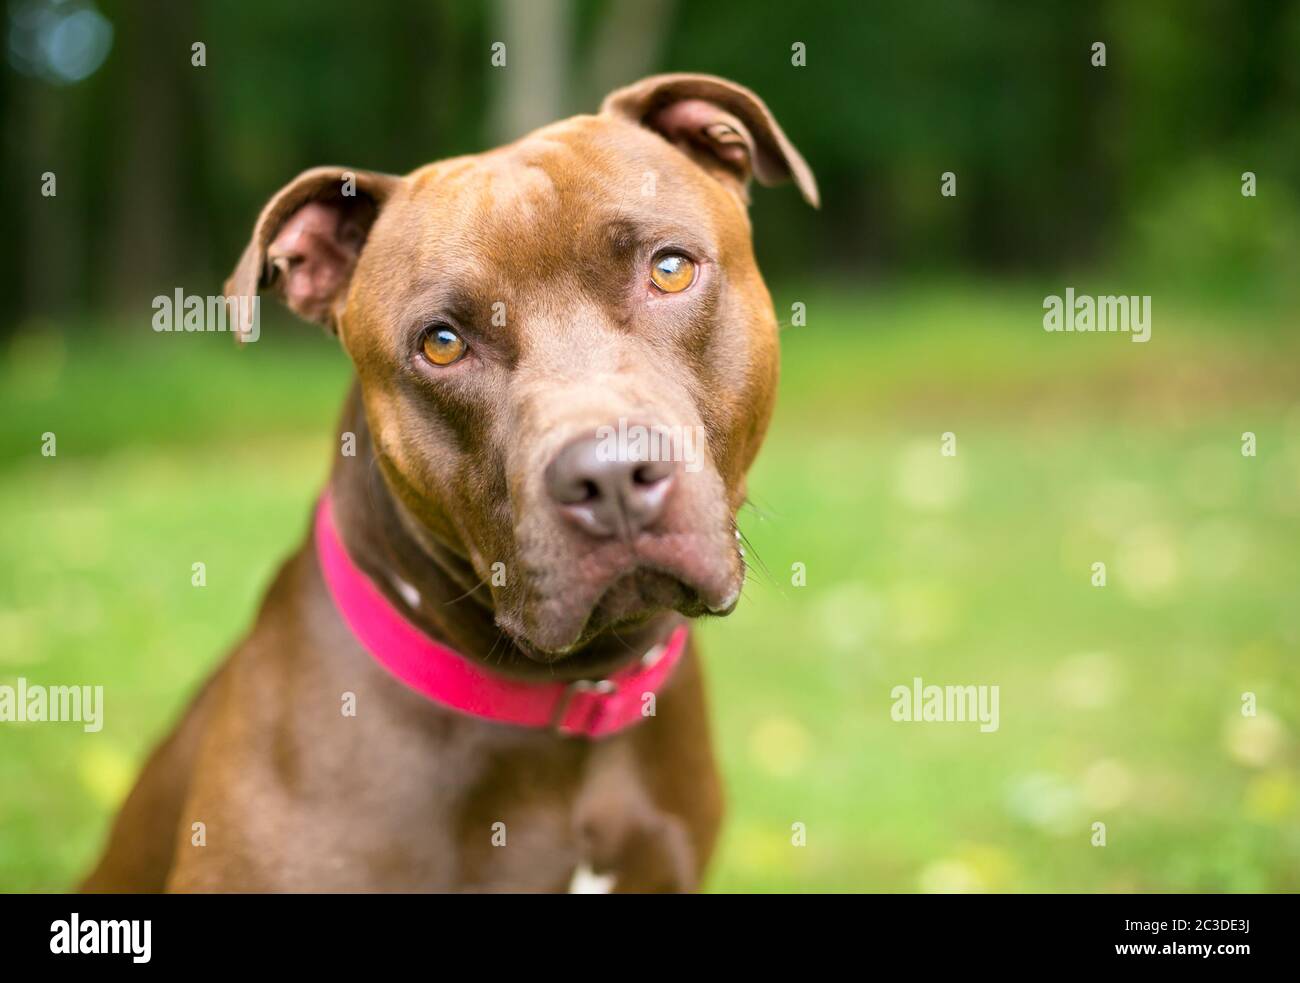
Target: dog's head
{"type": "Point", "coordinates": [567, 355]}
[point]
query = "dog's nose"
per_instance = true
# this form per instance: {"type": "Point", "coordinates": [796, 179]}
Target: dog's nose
{"type": "Point", "coordinates": [606, 493]}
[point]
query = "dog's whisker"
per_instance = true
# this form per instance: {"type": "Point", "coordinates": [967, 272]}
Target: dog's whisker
{"type": "Point", "coordinates": [753, 561]}
{"type": "Point", "coordinates": [468, 593]}
{"type": "Point", "coordinates": [761, 509]}
{"type": "Point", "coordinates": [492, 651]}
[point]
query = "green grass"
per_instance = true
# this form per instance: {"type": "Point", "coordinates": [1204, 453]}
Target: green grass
{"type": "Point", "coordinates": [1117, 704]}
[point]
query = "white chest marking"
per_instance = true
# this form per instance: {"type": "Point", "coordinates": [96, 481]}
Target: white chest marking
{"type": "Point", "coordinates": [587, 881]}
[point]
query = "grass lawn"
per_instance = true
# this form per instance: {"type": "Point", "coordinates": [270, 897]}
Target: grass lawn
{"type": "Point", "coordinates": [1118, 704]}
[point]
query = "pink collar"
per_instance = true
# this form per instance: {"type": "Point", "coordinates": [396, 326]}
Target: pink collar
{"type": "Point", "coordinates": [586, 708]}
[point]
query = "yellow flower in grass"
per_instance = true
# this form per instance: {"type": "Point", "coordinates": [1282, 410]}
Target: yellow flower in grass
{"type": "Point", "coordinates": [950, 877]}
{"type": "Point", "coordinates": [105, 772]}
{"type": "Point", "coordinates": [1147, 567]}
{"type": "Point", "coordinates": [779, 746]}
{"type": "Point", "coordinates": [763, 849]}
{"type": "Point", "coordinates": [20, 639]}
{"type": "Point", "coordinates": [927, 480]}
{"type": "Point", "coordinates": [1107, 784]}
{"type": "Point", "coordinates": [1088, 680]}
{"type": "Point", "coordinates": [1257, 741]}
{"type": "Point", "coordinates": [975, 869]}
{"type": "Point", "coordinates": [1270, 797]}
{"type": "Point", "coordinates": [848, 618]}
{"type": "Point", "coordinates": [921, 613]}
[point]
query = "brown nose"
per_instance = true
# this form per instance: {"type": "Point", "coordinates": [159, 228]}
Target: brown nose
{"type": "Point", "coordinates": [604, 493]}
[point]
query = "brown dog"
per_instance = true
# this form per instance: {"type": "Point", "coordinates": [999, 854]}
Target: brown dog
{"type": "Point", "coordinates": [500, 310]}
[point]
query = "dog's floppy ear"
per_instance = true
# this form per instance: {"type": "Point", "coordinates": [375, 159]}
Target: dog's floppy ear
{"type": "Point", "coordinates": [307, 240]}
{"type": "Point", "coordinates": [723, 126]}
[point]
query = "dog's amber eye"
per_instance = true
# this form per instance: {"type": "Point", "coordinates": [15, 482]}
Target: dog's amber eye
{"type": "Point", "coordinates": [672, 273]}
{"type": "Point", "coordinates": [442, 346]}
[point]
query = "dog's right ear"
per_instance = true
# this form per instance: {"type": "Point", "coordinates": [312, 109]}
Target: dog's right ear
{"type": "Point", "coordinates": [307, 240]}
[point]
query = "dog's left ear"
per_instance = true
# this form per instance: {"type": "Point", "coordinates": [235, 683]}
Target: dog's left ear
{"type": "Point", "coordinates": [723, 126]}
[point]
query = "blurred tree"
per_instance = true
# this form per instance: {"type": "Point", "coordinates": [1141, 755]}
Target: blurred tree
{"type": "Point", "coordinates": [623, 42]}
{"type": "Point", "coordinates": [149, 233]}
{"type": "Point", "coordinates": [532, 65]}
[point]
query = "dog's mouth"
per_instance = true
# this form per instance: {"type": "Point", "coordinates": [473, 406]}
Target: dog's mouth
{"type": "Point", "coordinates": [637, 596]}
{"type": "Point", "coordinates": [620, 626]}
{"type": "Point", "coordinates": [596, 610]}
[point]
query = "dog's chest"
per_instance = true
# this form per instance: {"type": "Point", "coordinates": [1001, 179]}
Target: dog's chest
{"type": "Point", "coordinates": [537, 817]}
{"type": "Point", "coordinates": [497, 812]}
